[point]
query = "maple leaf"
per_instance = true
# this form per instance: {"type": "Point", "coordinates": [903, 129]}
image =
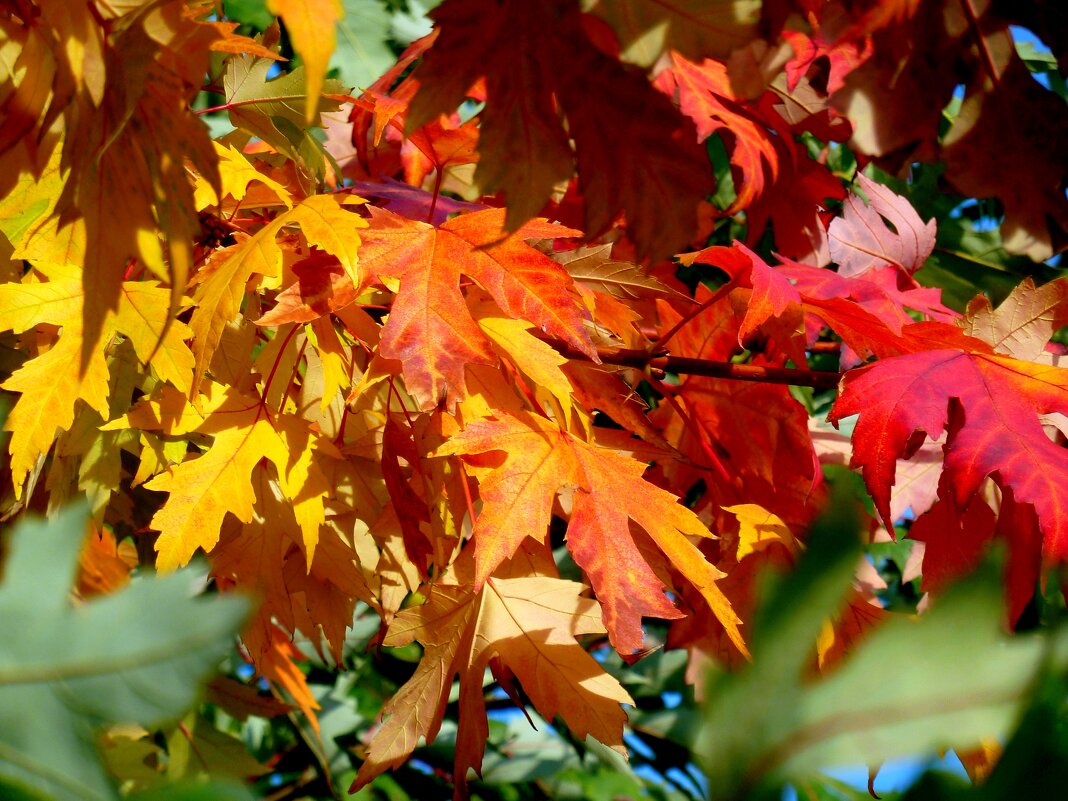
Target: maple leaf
{"type": "Point", "coordinates": [51, 391]}
{"type": "Point", "coordinates": [526, 623]}
{"type": "Point", "coordinates": [758, 528]}
{"type": "Point", "coordinates": [862, 241]}
{"type": "Point", "coordinates": [868, 313]}
{"type": "Point", "coordinates": [792, 205]}
{"type": "Point", "coordinates": [430, 327]}
{"type": "Point", "coordinates": [987, 403]}
{"type": "Point", "coordinates": [126, 180]}
{"type": "Point", "coordinates": [278, 111]}
{"type": "Point", "coordinates": [1010, 143]}
{"type": "Point", "coordinates": [524, 149]}
{"type": "Point", "coordinates": [263, 557]}
{"type": "Point", "coordinates": [202, 491]}
{"type": "Point", "coordinates": [325, 222]}
{"type": "Point", "coordinates": [539, 460]}
{"type": "Point", "coordinates": [706, 97]}
{"type": "Point", "coordinates": [1026, 320]}
{"type": "Point", "coordinates": [695, 28]}
{"type": "Point", "coordinates": [774, 296]}
{"type": "Point", "coordinates": [236, 172]}
{"type": "Point", "coordinates": [593, 266]}
{"type": "Point", "coordinates": [843, 56]}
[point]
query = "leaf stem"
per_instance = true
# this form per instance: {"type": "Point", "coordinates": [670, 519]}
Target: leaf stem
{"type": "Point", "coordinates": [437, 192]}
{"type": "Point", "coordinates": [712, 301]}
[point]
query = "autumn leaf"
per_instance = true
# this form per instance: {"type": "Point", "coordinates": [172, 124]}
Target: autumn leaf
{"type": "Point", "coordinates": [1025, 321]}
{"type": "Point", "coordinates": [49, 390]}
{"type": "Point", "coordinates": [279, 110]}
{"type": "Point", "coordinates": [987, 403]}
{"type": "Point", "coordinates": [774, 297]}
{"type": "Point", "coordinates": [236, 172]}
{"type": "Point", "coordinates": [649, 28]}
{"type": "Point", "coordinates": [311, 27]}
{"type": "Point", "coordinates": [842, 55]}
{"type": "Point", "coordinates": [862, 241]}
{"type": "Point", "coordinates": [758, 528]}
{"type": "Point", "coordinates": [523, 146]}
{"type": "Point", "coordinates": [430, 328]}
{"type": "Point", "coordinates": [326, 224]}
{"type": "Point", "coordinates": [527, 623]}
{"type": "Point", "coordinates": [125, 180]}
{"type": "Point", "coordinates": [706, 97]}
{"type": "Point", "coordinates": [537, 461]}
{"type": "Point", "coordinates": [203, 490]}
{"type": "Point", "coordinates": [593, 266]}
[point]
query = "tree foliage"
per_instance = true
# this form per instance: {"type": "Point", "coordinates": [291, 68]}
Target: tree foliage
{"type": "Point", "coordinates": [500, 362]}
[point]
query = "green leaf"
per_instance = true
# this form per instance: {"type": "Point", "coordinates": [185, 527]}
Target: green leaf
{"type": "Point", "coordinates": [362, 52]}
{"type": "Point", "coordinates": [274, 110]}
{"type": "Point", "coordinates": [1035, 758]}
{"type": "Point", "coordinates": [249, 12]}
{"type": "Point", "coordinates": [904, 691]}
{"type": "Point", "coordinates": [136, 656]}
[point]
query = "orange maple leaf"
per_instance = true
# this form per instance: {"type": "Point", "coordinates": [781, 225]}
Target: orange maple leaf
{"type": "Point", "coordinates": [430, 329]}
{"type": "Point", "coordinates": [539, 460]}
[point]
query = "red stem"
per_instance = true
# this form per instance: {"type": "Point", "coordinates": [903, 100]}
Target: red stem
{"type": "Point", "coordinates": [274, 368]}
{"type": "Point", "coordinates": [434, 199]}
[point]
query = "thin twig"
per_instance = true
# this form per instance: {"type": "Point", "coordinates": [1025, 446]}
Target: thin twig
{"type": "Point", "coordinates": [643, 360]}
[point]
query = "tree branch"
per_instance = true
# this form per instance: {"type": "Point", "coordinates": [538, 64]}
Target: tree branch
{"type": "Point", "coordinates": [640, 359]}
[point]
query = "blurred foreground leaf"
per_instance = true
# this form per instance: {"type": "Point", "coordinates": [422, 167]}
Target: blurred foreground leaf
{"type": "Point", "coordinates": [946, 680]}
{"type": "Point", "coordinates": [136, 656]}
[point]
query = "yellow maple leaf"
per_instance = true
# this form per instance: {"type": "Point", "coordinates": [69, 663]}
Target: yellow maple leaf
{"type": "Point", "coordinates": [202, 490]}
{"type": "Point", "coordinates": [540, 362]}
{"type": "Point", "coordinates": [50, 388]}
{"type": "Point", "coordinates": [758, 528]}
{"type": "Point", "coordinates": [235, 173]}
{"type": "Point", "coordinates": [326, 224]}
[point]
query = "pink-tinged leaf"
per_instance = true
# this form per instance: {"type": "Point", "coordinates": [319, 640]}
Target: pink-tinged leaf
{"type": "Point", "coordinates": [861, 240]}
